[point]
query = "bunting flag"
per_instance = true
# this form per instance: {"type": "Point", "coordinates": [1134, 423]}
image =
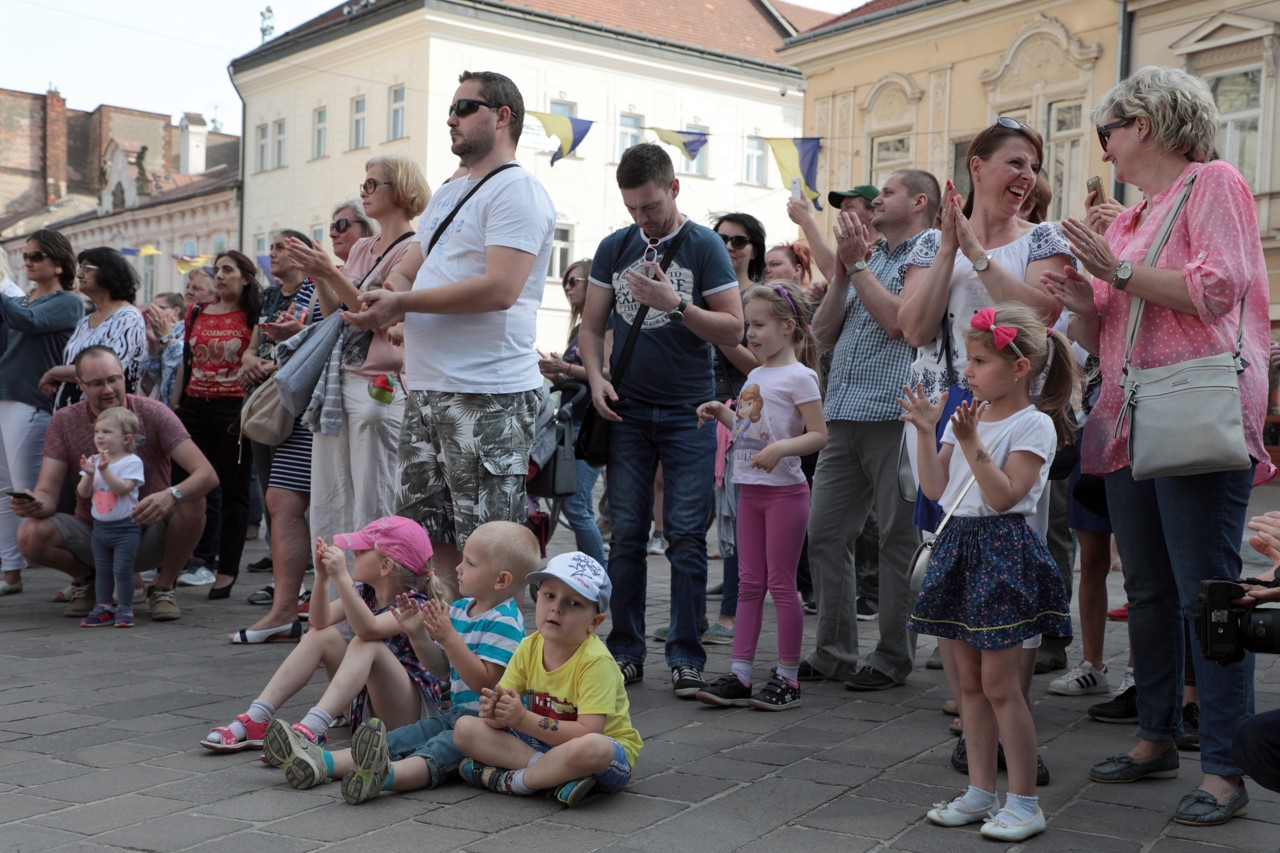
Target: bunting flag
{"type": "Point", "coordinates": [570, 131]}
{"type": "Point", "coordinates": [129, 251]}
{"type": "Point", "coordinates": [148, 250]}
{"type": "Point", "coordinates": [186, 263]}
{"type": "Point", "coordinates": [689, 142]}
{"type": "Point", "coordinates": [798, 158]}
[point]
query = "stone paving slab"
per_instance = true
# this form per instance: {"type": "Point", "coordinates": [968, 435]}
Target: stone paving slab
{"type": "Point", "coordinates": [98, 751]}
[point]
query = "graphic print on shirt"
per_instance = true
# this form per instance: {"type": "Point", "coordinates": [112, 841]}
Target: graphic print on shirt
{"type": "Point", "coordinates": [217, 361]}
{"type": "Point", "coordinates": [546, 705]}
{"type": "Point", "coordinates": [104, 499]}
{"type": "Point", "coordinates": [747, 442]}
{"type": "Point", "coordinates": [625, 302]}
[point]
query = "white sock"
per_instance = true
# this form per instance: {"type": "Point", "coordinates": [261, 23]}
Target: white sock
{"type": "Point", "coordinates": [976, 798]}
{"type": "Point", "coordinates": [791, 674]}
{"type": "Point", "coordinates": [741, 670]}
{"type": "Point", "coordinates": [1023, 808]}
{"type": "Point", "coordinates": [318, 720]}
{"type": "Point", "coordinates": [536, 756]}
{"type": "Point", "coordinates": [259, 712]}
{"type": "Point", "coordinates": [517, 783]}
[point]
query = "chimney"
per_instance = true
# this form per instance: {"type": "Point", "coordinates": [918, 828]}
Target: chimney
{"type": "Point", "coordinates": [55, 146]}
{"type": "Point", "coordinates": [194, 136]}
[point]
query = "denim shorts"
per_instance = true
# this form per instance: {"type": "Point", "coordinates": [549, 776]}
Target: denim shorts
{"type": "Point", "coordinates": [431, 739]}
{"type": "Point", "coordinates": [608, 781]}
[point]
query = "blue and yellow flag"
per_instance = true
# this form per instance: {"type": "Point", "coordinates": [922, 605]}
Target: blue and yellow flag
{"type": "Point", "coordinates": [798, 158]}
{"type": "Point", "coordinates": [690, 142]}
{"type": "Point", "coordinates": [570, 131]}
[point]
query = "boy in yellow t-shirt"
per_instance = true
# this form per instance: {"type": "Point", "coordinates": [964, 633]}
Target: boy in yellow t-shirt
{"type": "Point", "coordinates": [559, 718]}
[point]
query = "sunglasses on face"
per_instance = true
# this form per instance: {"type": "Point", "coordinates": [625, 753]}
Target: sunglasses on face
{"type": "Point", "coordinates": [34, 257]}
{"type": "Point", "coordinates": [464, 107]}
{"type": "Point", "coordinates": [370, 186]}
{"type": "Point", "coordinates": [339, 226]}
{"type": "Point", "coordinates": [737, 241]}
{"type": "Point", "coordinates": [1105, 130]}
{"type": "Point", "coordinates": [575, 280]}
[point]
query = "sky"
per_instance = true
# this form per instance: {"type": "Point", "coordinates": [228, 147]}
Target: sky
{"type": "Point", "coordinates": [164, 57]}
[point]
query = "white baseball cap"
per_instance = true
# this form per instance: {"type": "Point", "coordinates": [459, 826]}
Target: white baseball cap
{"type": "Point", "coordinates": [582, 574]}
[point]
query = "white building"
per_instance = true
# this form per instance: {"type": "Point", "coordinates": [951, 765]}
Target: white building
{"type": "Point", "coordinates": [376, 78]}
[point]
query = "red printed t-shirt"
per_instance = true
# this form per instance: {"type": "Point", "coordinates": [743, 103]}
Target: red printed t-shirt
{"type": "Point", "coordinates": [218, 341]}
{"type": "Point", "coordinates": [70, 436]}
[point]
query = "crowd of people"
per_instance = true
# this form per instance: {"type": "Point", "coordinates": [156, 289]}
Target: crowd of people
{"type": "Point", "coordinates": [902, 423]}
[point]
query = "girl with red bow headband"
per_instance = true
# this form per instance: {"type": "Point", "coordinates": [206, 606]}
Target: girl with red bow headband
{"type": "Point", "coordinates": [991, 583]}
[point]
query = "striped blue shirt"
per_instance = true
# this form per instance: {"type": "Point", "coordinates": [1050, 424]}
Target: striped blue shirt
{"type": "Point", "coordinates": [492, 635]}
{"type": "Point", "coordinates": [868, 368]}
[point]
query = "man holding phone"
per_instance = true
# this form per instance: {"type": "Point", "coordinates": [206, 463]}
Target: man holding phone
{"type": "Point", "coordinates": [172, 514]}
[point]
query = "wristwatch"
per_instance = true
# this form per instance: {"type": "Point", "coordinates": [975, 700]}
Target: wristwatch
{"type": "Point", "coordinates": [981, 263]}
{"type": "Point", "coordinates": [858, 266]}
{"type": "Point", "coordinates": [177, 494]}
{"type": "Point", "coordinates": [1120, 278]}
{"type": "Point", "coordinates": [677, 316]}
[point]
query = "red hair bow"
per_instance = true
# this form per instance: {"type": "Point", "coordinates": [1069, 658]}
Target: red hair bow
{"type": "Point", "coordinates": [985, 320]}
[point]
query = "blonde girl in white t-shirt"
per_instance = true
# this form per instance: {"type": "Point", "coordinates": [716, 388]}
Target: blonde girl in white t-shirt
{"type": "Point", "coordinates": [110, 479]}
{"type": "Point", "coordinates": [991, 583]}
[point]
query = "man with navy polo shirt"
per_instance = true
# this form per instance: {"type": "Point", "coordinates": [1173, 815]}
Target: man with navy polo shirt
{"type": "Point", "coordinates": [692, 306]}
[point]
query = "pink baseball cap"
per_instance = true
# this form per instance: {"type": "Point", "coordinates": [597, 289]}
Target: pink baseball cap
{"type": "Point", "coordinates": [395, 537]}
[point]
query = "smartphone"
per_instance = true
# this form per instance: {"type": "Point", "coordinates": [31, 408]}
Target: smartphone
{"type": "Point", "coordinates": [22, 496]}
{"type": "Point", "coordinates": [1094, 185]}
{"type": "Point", "coordinates": [797, 190]}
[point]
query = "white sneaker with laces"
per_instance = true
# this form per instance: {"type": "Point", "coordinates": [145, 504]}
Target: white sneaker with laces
{"type": "Point", "coordinates": [657, 545]}
{"type": "Point", "coordinates": [1126, 681]}
{"type": "Point", "coordinates": [1081, 680]}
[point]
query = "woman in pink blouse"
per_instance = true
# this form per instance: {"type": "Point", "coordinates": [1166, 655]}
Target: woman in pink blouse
{"type": "Point", "coordinates": [1156, 128]}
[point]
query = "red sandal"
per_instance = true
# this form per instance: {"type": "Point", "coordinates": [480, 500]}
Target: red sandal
{"type": "Point", "coordinates": [255, 732]}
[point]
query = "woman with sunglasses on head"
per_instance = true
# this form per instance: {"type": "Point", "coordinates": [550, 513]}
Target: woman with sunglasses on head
{"type": "Point", "coordinates": [108, 279]}
{"type": "Point", "coordinates": [349, 226]}
{"type": "Point", "coordinates": [355, 473]}
{"type": "Point", "coordinates": [208, 396]}
{"type": "Point", "coordinates": [38, 325]}
{"type": "Point", "coordinates": [568, 368]}
{"type": "Point", "coordinates": [1157, 129]}
{"type": "Point", "coordinates": [984, 254]}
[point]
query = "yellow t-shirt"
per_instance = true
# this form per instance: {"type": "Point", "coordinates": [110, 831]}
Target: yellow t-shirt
{"type": "Point", "coordinates": [587, 683]}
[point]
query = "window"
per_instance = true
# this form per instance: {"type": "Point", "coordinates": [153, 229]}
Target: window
{"type": "Point", "coordinates": [754, 162]}
{"type": "Point", "coordinates": [1239, 99]}
{"type": "Point", "coordinates": [357, 122]}
{"type": "Point", "coordinates": [189, 248]}
{"type": "Point", "coordinates": [264, 148]}
{"type": "Point", "coordinates": [395, 113]}
{"type": "Point", "coordinates": [317, 234]}
{"type": "Point", "coordinates": [1062, 159]}
{"type": "Point", "coordinates": [698, 165]}
{"type": "Point", "coordinates": [960, 166]}
{"type": "Point", "coordinates": [319, 133]}
{"type": "Point", "coordinates": [219, 245]}
{"type": "Point", "coordinates": [561, 246]}
{"type": "Point", "coordinates": [888, 154]}
{"type": "Point", "coordinates": [260, 245]}
{"type": "Point", "coordinates": [563, 108]}
{"type": "Point", "coordinates": [280, 143]}
{"type": "Point", "coordinates": [629, 131]}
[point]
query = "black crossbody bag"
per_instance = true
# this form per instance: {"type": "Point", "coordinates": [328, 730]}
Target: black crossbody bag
{"type": "Point", "coordinates": [592, 445]}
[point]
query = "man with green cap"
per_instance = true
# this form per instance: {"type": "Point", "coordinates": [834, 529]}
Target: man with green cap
{"type": "Point", "coordinates": [858, 200]}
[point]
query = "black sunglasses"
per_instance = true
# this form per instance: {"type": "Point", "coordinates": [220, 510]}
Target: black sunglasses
{"type": "Point", "coordinates": [34, 257]}
{"type": "Point", "coordinates": [466, 106]}
{"type": "Point", "coordinates": [1105, 130]}
{"type": "Point", "coordinates": [340, 226]}
{"type": "Point", "coordinates": [737, 241]}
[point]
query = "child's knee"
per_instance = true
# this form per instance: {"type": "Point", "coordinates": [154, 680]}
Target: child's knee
{"type": "Point", "coordinates": [466, 732]}
{"type": "Point", "coordinates": [595, 751]}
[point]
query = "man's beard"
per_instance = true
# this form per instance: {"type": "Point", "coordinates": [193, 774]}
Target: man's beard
{"type": "Point", "coordinates": [472, 151]}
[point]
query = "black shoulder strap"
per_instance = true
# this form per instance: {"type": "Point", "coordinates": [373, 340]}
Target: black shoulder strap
{"type": "Point", "coordinates": [643, 311]}
{"type": "Point", "coordinates": [435, 238]}
{"type": "Point", "coordinates": [186, 344]}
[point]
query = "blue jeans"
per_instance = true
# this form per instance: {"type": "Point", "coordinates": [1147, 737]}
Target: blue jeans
{"type": "Point", "coordinates": [432, 741]}
{"type": "Point", "coordinates": [580, 511]}
{"type": "Point", "coordinates": [115, 549]}
{"type": "Point", "coordinates": [1258, 749]}
{"type": "Point", "coordinates": [1173, 533]}
{"type": "Point", "coordinates": [646, 436]}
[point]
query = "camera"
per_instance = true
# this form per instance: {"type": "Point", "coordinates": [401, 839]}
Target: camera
{"type": "Point", "coordinates": [1226, 631]}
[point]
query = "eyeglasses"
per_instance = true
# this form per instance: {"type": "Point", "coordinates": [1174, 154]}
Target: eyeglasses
{"type": "Point", "coordinates": [737, 241]}
{"type": "Point", "coordinates": [575, 280]}
{"type": "Point", "coordinates": [370, 186]}
{"type": "Point", "coordinates": [464, 107]}
{"type": "Point", "coordinates": [84, 268]}
{"type": "Point", "coordinates": [1105, 130]}
{"type": "Point", "coordinates": [1012, 123]}
{"type": "Point", "coordinates": [339, 226]}
{"type": "Point", "coordinates": [34, 257]}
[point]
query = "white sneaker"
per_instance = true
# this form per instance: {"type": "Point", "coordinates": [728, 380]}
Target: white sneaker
{"type": "Point", "coordinates": [1081, 680]}
{"type": "Point", "coordinates": [1126, 681]}
{"type": "Point", "coordinates": [200, 577]}
{"type": "Point", "coordinates": [657, 545]}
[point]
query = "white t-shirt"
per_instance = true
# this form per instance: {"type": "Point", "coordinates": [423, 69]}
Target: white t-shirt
{"type": "Point", "coordinates": [493, 352]}
{"type": "Point", "coordinates": [107, 505]}
{"type": "Point", "coordinates": [1032, 431]}
{"type": "Point", "coordinates": [768, 411]}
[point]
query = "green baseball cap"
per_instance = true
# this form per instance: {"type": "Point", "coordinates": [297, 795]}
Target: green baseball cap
{"type": "Point", "coordinates": [864, 191]}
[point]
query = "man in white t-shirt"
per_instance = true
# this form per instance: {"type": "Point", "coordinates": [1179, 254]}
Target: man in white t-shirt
{"type": "Point", "coordinates": [469, 289]}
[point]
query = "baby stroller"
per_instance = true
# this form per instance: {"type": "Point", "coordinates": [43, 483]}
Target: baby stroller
{"type": "Point", "coordinates": [553, 472]}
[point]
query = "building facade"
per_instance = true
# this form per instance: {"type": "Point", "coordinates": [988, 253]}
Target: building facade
{"type": "Point", "coordinates": [322, 99]}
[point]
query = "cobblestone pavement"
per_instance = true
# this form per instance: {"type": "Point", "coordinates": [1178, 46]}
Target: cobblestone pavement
{"type": "Point", "coordinates": [99, 732]}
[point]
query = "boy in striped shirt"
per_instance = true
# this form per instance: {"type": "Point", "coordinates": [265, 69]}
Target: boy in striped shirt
{"type": "Point", "coordinates": [473, 642]}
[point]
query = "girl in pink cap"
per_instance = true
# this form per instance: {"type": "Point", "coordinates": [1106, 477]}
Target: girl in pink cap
{"type": "Point", "coordinates": [378, 666]}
